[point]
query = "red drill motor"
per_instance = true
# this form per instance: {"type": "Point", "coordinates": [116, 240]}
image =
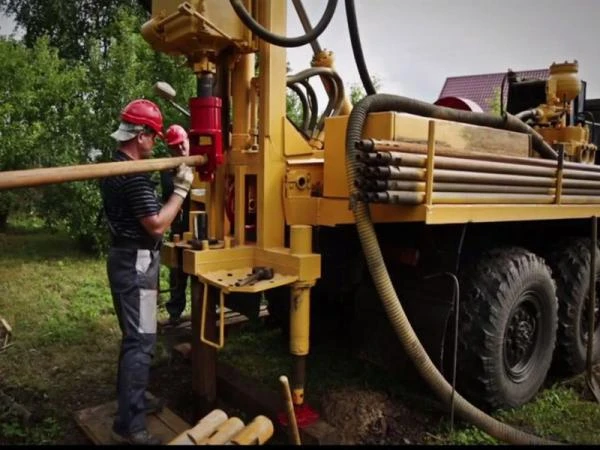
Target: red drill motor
{"type": "Point", "coordinates": [206, 134]}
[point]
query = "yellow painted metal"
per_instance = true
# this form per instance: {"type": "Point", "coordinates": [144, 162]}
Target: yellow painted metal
{"type": "Point", "coordinates": [194, 28]}
{"type": "Point", "coordinates": [301, 239]}
{"type": "Point", "coordinates": [226, 280]}
{"type": "Point", "coordinates": [203, 262]}
{"type": "Point", "coordinates": [218, 345]}
{"type": "Point", "coordinates": [440, 214]}
{"type": "Point", "coordinates": [240, 199]}
{"type": "Point", "coordinates": [294, 143]}
{"type": "Point", "coordinates": [300, 319]}
{"type": "Point", "coordinates": [272, 107]}
{"type": "Point", "coordinates": [300, 244]}
{"type": "Point", "coordinates": [241, 88]}
{"type": "Point", "coordinates": [298, 396]}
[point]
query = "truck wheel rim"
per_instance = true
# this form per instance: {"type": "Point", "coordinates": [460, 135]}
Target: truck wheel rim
{"type": "Point", "coordinates": [521, 337]}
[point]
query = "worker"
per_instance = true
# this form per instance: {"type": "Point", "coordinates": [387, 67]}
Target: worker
{"type": "Point", "coordinates": [137, 222]}
{"type": "Point", "coordinates": [179, 145]}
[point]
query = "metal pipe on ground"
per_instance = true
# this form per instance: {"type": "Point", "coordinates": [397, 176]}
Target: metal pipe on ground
{"type": "Point", "coordinates": [53, 175]}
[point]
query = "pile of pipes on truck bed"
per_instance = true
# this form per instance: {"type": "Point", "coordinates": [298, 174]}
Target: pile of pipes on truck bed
{"type": "Point", "coordinates": [395, 172]}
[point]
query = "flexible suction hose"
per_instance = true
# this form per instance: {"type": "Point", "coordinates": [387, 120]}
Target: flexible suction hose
{"type": "Point", "coordinates": [381, 278]}
{"type": "Point", "coordinates": [283, 41]}
{"type": "Point", "coordinates": [357, 48]}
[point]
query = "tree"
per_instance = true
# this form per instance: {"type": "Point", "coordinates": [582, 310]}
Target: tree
{"type": "Point", "coordinates": [41, 107]}
{"type": "Point", "coordinates": [494, 105]}
{"type": "Point", "coordinates": [127, 70]}
{"type": "Point", "coordinates": [61, 112]}
{"type": "Point", "coordinates": [357, 92]}
{"type": "Point", "coordinates": [68, 24]}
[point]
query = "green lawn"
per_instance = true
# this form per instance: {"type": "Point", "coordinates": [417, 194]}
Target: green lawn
{"type": "Point", "coordinates": [65, 338]}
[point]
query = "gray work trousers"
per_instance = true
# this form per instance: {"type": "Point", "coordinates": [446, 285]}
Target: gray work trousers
{"type": "Point", "coordinates": [133, 278]}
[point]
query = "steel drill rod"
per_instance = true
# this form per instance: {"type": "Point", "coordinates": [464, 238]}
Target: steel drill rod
{"type": "Point", "coordinates": [458, 163]}
{"type": "Point", "coordinates": [415, 198]}
{"type": "Point", "coordinates": [445, 162]}
{"type": "Point", "coordinates": [454, 176]}
{"type": "Point", "coordinates": [575, 191]}
{"type": "Point", "coordinates": [377, 145]}
{"type": "Point", "coordinates": [419, 186]}
{"type": "Point", "coordinates": [54, 175]}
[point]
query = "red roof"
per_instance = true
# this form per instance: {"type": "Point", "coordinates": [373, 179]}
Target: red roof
{"type": "Point", "coordinates": [481, 88]}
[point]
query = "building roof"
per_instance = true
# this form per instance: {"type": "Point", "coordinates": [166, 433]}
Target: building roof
{"type": "Point", "coordinates": [481, 88]}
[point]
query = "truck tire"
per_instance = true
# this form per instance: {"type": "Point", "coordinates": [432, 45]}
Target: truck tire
{"type": "Point", "coordinates": [507, 328]}
{"type": "Point", "coordinates": [570, 264]}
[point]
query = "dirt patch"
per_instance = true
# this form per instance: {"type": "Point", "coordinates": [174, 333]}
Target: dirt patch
{"type": "Point", "coordinates": [372, 417]}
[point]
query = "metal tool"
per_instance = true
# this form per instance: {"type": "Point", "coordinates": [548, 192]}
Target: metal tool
{"type": "Point", "coordinates": [259, 273]}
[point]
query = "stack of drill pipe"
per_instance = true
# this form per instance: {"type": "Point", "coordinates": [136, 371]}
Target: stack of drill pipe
{"type": "Point", "coordinates": [395, 172]}
{"type": "Point", "coordinates": [217, 429]}
{"type": "Point", "coordinates": [257, 432]}
{"type": "Point", "coordinates": [202, 430]}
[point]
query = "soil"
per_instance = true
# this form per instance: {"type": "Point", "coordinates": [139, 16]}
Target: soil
{"type": "Point", "coordinates": [371, 417]}
{"type": "Point", "coordinates": [360, 416]}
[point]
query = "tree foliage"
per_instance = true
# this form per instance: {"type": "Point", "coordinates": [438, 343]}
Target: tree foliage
{"type": "Point", "coordinates": [357, 92]}
{"type": "Point", "coordinates": [67, 24]}
{"type": "Point", "coordinates": [57, 112]}
{"type": "Point", "coordinates": [494, 105]}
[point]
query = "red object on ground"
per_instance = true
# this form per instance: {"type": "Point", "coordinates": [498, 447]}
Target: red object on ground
{"type": "Point", "coordinates": [305, 416]}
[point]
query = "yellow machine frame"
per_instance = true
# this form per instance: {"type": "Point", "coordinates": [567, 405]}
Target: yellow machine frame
{"type": "Point", "coordinates": [286, 166]}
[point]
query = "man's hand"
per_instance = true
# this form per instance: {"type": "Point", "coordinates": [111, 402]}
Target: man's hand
{"type": "Point", "coordinates": [183, 180]}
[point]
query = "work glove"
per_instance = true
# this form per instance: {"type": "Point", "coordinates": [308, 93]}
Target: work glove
{"type": "Point", "coordinates": [183, 180]}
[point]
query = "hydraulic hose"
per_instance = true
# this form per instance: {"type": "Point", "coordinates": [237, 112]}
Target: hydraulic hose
{"type": "Point", "coordinates": [527, 114]}
{"type": "Point", "coordinates": [380, 275]}
{"type": "Point", "coordinates": [283, 41]}
{"type": "Point", "coordinates": [313, 103]}
{"type": "Point", "coordinates": [305, 106]}
{"type": "Point", "coordinates": [357, 48]}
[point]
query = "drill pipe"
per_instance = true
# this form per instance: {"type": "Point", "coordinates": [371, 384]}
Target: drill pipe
{"type": "Point", "coordinates": [376, 145]}
{"type": "Point", "coordinates": [454, 176]}
{"type": "Point", "coordinates": [416, 198]}
{"type": "Point", "coordinates": [444, 162]}
{"type": "Point", "coordinates": [53, 175]}
{"type": "Point", "coordinates": [419, 186]}
{"type": "Point", "coordinates": [459, 176]}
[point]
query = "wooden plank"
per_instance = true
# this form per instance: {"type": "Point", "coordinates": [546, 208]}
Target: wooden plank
{"type": "Point", "coordinates": [96, 422]}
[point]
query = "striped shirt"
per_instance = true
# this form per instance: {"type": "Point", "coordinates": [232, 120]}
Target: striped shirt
{"type": "Point", "coordinates": [127, 199]}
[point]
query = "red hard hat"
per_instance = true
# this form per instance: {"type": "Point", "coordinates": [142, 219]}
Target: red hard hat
{"type": "Point", "coordinates": [175, 135]}
{"type": "Point", "coordinates": [143, 112]}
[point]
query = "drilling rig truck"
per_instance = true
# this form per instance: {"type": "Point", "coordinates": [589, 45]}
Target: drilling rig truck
{"type": "Point", "coordinates": [462, 241]}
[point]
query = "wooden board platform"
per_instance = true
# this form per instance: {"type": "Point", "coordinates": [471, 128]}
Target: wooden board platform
{"type": "Point", "coordinates": [96, 422]}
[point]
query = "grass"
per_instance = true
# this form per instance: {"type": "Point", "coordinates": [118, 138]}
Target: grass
{"type": "Point", "coordinates": [65, 339]}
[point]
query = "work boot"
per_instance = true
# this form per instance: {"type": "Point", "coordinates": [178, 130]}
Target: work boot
{"type": "Point", "coordinates": [153, 404]}
{"type": "Point", "coordinates": [141, 437]}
